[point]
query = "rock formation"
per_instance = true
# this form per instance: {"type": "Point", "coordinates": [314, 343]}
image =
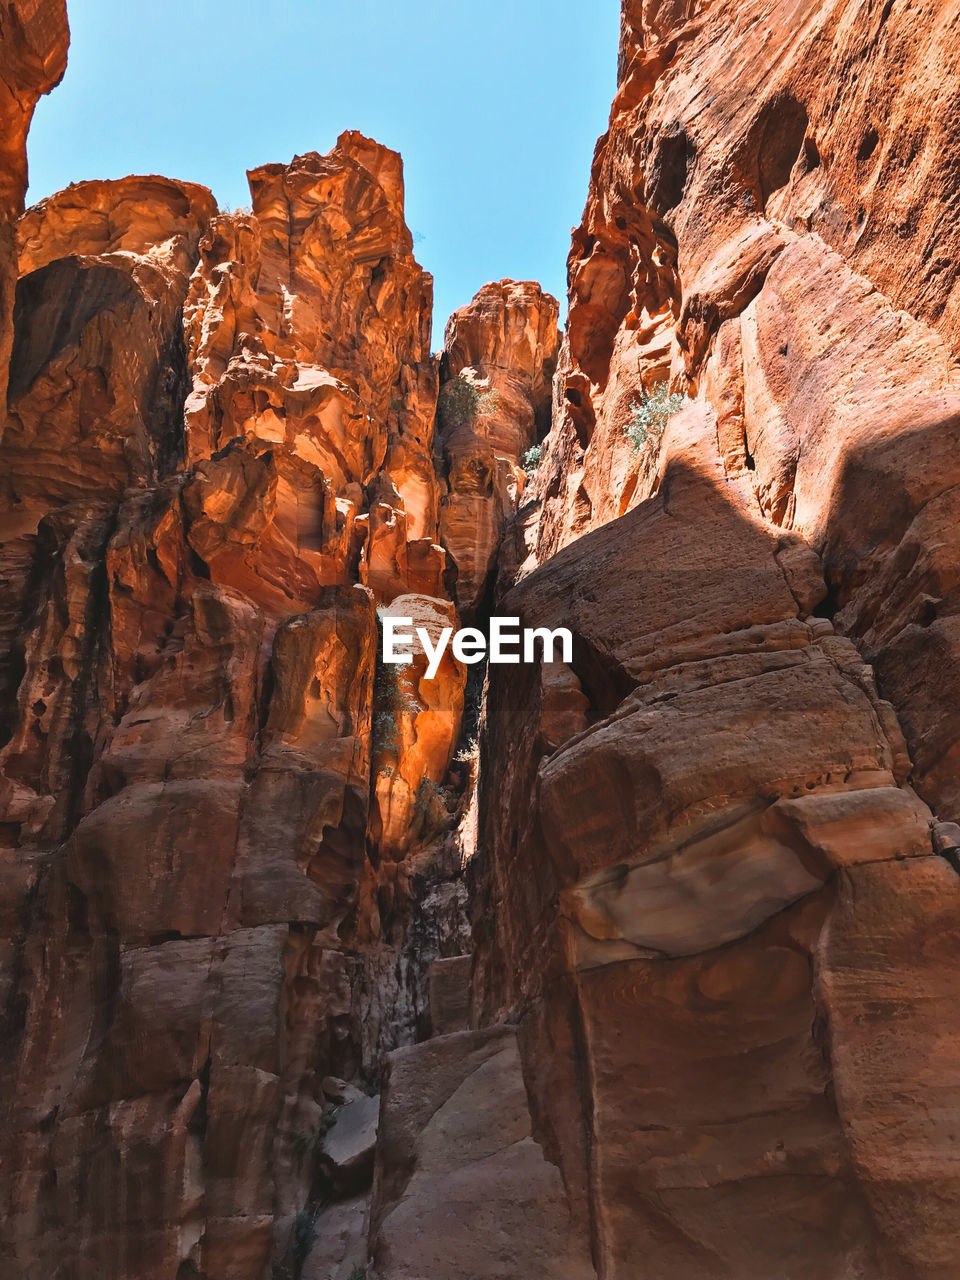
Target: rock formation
{"type": "Point", "coordinates": [229, 852]}
{"type": "Point", "coordinates": [497, 376]}
{"type": "Point", "coordinates": [33, 57]}
{"type": "Point", "coordinates": [295, 986]}
{"type": "Point", "coordinates": [712, 898]}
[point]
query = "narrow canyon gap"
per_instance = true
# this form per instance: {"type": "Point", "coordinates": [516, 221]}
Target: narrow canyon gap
{"type": "Point", "coordinates": [640, 966]}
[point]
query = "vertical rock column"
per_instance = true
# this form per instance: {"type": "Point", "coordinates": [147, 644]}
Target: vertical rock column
{"type": "Point", "coordinates": [497, 383]}
{"type": "Point", "coordinates": [34, 38]}
{"type": "Point", "coordinates": [200, 934]}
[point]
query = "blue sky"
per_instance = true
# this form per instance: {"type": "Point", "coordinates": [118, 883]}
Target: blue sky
{"type": "Point", "coordinates": [495, 107]}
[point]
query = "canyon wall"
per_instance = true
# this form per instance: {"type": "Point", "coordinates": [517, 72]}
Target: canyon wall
{"type": "Point", "coordinates": [230, 845]}
{"type": "Point", "coordinates": [657, 978]}
{"type": "Point", "coordinates": [716, 886]}
{"type": "Point", "coordinates": [33, 57]}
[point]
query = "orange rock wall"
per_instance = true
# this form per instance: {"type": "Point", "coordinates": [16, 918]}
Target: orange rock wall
{"type": "Point", "coordinates": [714, 897]}
{"type": "Point", "coordinates": [501, 351]}
{"type": "Point", "coordinates": [712, 894]}
{"type": "Point", "coordinates": [226, 840]}
{"type": "Point", "coordinates": [33, 57]}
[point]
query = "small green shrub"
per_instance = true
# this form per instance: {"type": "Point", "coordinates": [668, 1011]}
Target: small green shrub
{"type": "Point", "coordinates": [468, 753]}
{"type": "Point", "coordinates": [649, 416]}
{"type": "Point", "coordinates": [461, 403]}
{"type": "Point", "coordinates": [532, 459]}
{"type": "Point", "coordinates": [488, 402]}
{"type": "Point", "coordinates": [386, 732]}
{"type": "Point", "coordinates": [302, 1142]}
{"type": "Point", "coordinates": [303, 1238]}
{"type": "Point", "coordinates": [358, 1273]}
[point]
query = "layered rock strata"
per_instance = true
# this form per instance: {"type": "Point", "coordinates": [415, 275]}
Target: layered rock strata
{"type": "Point", "coordinates": [711, 894]}
{"type": "Point", "coordinates": [228, 844]}
{"type": "Point", "coordinates": [709, 1026]}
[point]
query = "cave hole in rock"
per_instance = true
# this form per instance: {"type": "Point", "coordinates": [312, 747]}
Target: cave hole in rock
{"type": "Point", "coordinates": [580, 411]}
{"type": "Point", "coordinates": [868, 144]}
{"type": "Point", "coordinates": [810, 156]}
{"type": "Point", "coordinates": [780, 130]}
{"type": "Point", "coordinates": [670, 169]}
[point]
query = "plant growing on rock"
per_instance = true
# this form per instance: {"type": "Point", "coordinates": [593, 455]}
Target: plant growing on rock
{"type": "Point", "coordinates": [306, 1140]}
{"type": "Point", "coordinates": [649, 416]}
{"type": "Point", "coordinates": [468, 747]}
{"type": "Point", "coordinates": [532, 459]}
{"type": "Point", "coordinates": [461, 403]}
{"type": "Point", "coordinates": [488, 402]}
{"type": "Point", "coordinates": [304, 1237]}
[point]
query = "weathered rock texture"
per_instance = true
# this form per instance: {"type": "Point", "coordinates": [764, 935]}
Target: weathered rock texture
{"type": "Point", "coordinates": [463, 1188]}
{"type": "Point", "coordinates": [228, 854]}
{"type": "Point", "coordinates": [33, 57]}
{"type": "Point", "coordinates": [497, 376]}
{"type": "Point", "coordinates": [709, 1029]}
{"type": "Point", "coordinates": [710, 894]}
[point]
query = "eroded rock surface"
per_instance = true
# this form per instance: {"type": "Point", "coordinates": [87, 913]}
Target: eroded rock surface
{"type": "Point", "coordinates": [670, 880]}
{"type": "Point", "coordinates": [34, 37]}
{"type": "Point", "coordinates": [462, 1189]}
{"type": "Point", "coordinates": [219, 462]}
{"type": "Point", "coordinates": [709, 1027]}
{"type": "Point", "coordinates": [497, 375]}
{"type": "Point", "coordinates": [687, 868]}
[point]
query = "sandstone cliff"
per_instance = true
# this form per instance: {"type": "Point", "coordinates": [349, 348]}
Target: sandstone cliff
{"type": "Point", "coordinates": [33, 57]}
{"type": "Point", "coordinates": [719, 893]}
{"type": "Point", "coordinates": [497, 375]}
{"type": "Point", "coordinates": [229, 845]}
{"type": "Point", "coordinates": [297, 982]}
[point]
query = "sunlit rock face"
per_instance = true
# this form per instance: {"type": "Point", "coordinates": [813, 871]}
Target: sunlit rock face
{"type": "Point", "coordinates": [713, 900]}
{"type": "Point", "coordinates": [415, 729]}
{"type": "Point", "coordinates": [842, 140]}
{"type": "Point", "coordinates": [308, 335]}
{"type": "Point", "coordinates": [500, 354]}
{"type": "Point", "coordinates": [218, 908]}
{"type": "Point", "coordinates": [704, 1026]}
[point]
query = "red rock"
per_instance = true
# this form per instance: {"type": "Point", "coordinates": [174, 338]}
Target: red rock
{"type": "Point", "coordinates": [416, 725]}
{"type": "Point", "coordinates": [711, 858]}
{"type": "Point", "coordinates": [33, 58]}
{"type": "Point", "coordinates": [308, 338]}
{"type": "Point", "coordinates": [753, 238]}
{"type": "Point", "coordinates": [499, 358]}
{"type": "Point", "coordinates": [203, 919]}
